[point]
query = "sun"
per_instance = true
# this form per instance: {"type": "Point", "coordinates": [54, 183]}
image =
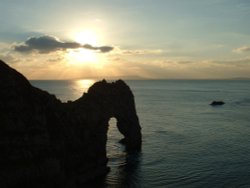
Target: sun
{"type": "Point", "coordinates": [86, 37]}
{"type": "Point", "coordinates": [82, 55]}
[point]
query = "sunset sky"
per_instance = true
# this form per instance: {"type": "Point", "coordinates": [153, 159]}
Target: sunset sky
{"type": "Point", "coordinates": [166, 39]}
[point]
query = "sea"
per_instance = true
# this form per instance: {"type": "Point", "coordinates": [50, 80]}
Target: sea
{"type": "Point", "coordinates": [186, 141]}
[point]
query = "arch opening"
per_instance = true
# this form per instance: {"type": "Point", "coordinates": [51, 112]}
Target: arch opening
{"type": "Point", "coordinates": [116, 153]}
{"type": "Point", "coordinates": [113, 146]}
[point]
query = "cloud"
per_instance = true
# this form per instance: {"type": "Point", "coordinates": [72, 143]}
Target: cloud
{"type": "Point", "coordinates": [9, 58]}
{"type": "Point", "coordinates": [141, 51]}
{"type": "Point", "coordinates": [103, 49]}
{"type": "Point", "coordinates": [47, 44]}
{"type": "Point", "coordinates": [242, 49]}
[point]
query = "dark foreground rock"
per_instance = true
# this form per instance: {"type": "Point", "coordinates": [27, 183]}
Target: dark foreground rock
{"type": "Point", "coordinates": [44, 142]}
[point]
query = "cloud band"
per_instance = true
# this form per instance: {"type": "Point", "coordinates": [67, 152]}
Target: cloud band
{"type": "Point", "coordinates": [47, 44]}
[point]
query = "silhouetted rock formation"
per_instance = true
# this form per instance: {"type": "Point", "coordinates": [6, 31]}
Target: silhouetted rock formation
{"type": "Point", "coordinates": [44, 141]}
{"type": "Point", "coordinates": [217, 103]}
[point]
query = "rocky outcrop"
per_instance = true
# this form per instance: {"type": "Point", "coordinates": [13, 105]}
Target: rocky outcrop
{"type": "Point", "coordinates": [44, 142]}
{"type": "Point", "coordinates": [217, 103]}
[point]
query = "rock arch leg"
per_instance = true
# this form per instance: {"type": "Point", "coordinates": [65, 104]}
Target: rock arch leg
{"type": "Point", "coordinates": [131, 131]}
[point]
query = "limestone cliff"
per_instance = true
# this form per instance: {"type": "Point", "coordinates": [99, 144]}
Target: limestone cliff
{"type": "Point", "coordinates": [45, 142]}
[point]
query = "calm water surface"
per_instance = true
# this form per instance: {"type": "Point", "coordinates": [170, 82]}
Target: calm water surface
{"type": "Point", "coordinates": [186, 142]}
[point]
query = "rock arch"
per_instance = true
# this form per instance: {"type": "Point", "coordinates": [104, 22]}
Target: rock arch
{"type": "Point", "coordinates": [117, 100]}
{"type": "Point", "coordinates": [47, 141]}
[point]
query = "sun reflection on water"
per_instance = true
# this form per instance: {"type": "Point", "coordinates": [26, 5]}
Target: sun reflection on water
{"type": "Point", "coordinates": [84, 84]}
{"type": "Point", "coordinates": [81, 86]}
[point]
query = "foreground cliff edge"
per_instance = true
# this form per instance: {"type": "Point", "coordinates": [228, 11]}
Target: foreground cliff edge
{"type": "Point", "coordinates": [46, 142]}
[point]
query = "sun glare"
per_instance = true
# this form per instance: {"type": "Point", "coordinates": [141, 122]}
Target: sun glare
{"type": "Point", "coordinates": [86, 37]}
{"type": "Point", "coordinates": [80, 56]}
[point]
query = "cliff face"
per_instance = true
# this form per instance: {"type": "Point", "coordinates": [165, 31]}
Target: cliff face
{"type": "Point", "coordinates": [44, 141]}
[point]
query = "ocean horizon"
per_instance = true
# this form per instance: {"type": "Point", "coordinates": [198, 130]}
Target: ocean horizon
{"type": "Point", "coordinates": [186, 141]}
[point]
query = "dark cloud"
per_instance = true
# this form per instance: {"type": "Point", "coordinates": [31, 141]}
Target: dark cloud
{"type": "Point", "coordinates": [103, 49]}
{"type": "Point", "coordinates": [47, 44]}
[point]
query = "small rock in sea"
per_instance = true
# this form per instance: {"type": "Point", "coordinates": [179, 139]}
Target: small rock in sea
{"type": "Point", "coordinates": [216, 103]}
